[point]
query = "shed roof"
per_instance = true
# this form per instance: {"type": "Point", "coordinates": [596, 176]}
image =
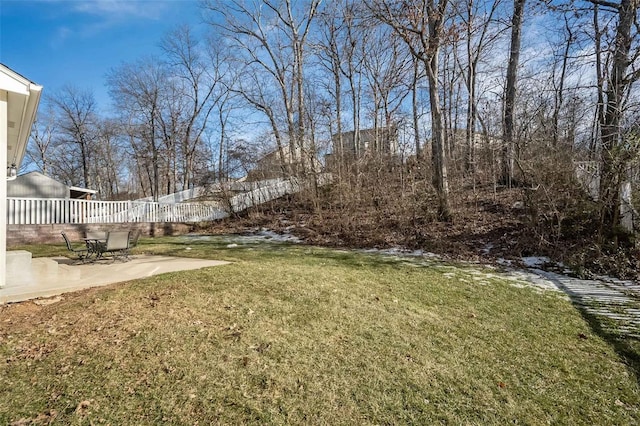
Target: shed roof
{"type": "Point", "coordinates": [78, 189]}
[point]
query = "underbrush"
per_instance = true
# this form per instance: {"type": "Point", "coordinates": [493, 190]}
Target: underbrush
{"type": "Point", "coordinates": [489, 222]}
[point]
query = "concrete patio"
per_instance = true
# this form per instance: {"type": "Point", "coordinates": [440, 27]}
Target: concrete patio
{"type": "Point", "coordinates": [47, 277]}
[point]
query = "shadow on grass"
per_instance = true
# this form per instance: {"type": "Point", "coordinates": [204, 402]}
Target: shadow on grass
{"type": "Point", "coordinates": [627, 347]}
{"type": "Point", "coordinates": [266, 250]}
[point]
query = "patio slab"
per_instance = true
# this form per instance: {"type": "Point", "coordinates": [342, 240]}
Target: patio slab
{"type": "Point", "coordinates": [49, 277]}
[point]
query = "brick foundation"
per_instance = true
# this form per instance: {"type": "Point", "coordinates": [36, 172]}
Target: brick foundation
{"type": "Point", "coordinates": [30, 234]}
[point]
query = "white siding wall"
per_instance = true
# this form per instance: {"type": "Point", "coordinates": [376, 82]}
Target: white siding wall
{"type": "Point", "coordinates": [36, 185]}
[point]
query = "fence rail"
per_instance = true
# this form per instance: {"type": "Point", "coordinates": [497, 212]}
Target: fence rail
{"type": "Point", "coordinates": [38, 211]}
{"type": "Point", "coordinates": [44, 211]}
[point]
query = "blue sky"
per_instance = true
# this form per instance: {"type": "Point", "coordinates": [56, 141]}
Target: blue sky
{"type": "Point", "coordinates": [75, 42]}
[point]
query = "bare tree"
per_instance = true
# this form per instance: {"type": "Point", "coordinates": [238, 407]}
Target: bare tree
{"type": "Point", "coordinates": [254, 90]}
{"type": "Point", "coordinates": [421, 25]}
{"type": "Point", "coordinates": [344, 38]}
{"type": "Point", "coordinates": [76, 113]}
{"type": "Point", "coordinates": [355, 40]}
{"type": "Point", "coordinates": [560, 80]}
{"type": "Point", "coordinates": [137, 90]}
{"type": "Point", "coordinates": [200, 87]}
{"type": "Point", "coordinates": [509, 150]}
{"type": "Point", "coordinates": [600, 79]}
{"type": "Point", "coordinates": [477, 19]}
{"type": "Point", "coordinates": [43, 135]}
{"type": "Point", "coordinates": [331, 28]}
{"type": "Point", "coordinates": [109, 160]}
{"type": "Point", "coordinates": [416, 77]}
{"type": "Point", "coordinates": [451, 91]}
{"type": "Point", "coordinates": [272, 36]}
{"type": "Point", "coordinates": [386, 68]}
{"type": "Point", "coordinates": [622, 73]}
{"type": "Point", "coordinates": [227, 101]}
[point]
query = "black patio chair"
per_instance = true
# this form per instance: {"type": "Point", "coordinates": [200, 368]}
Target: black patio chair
{"type": "Point", "coordinates": [81, 252]}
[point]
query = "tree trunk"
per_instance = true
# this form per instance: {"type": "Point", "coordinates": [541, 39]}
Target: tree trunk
{"type": "Point", "coordinates": [612, 166]}
{"type": "Point", "coordinates": [414, 107]}
{"type": "Point", "coordinates": [338, 88]}
{"type": "Point", "coordinates": [439, 178]}
{"type": "Point", "coordinates": [508, 153]}
{"type": "Point", "coordinates": [559, 95]}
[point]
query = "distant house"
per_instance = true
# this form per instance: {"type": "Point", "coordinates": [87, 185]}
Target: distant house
{"type": "Point", "coordinates": [459, 138]}
{"type": "Point", "coordinates": [382, 140]}
{"type": "Point", "coordinates": [37, 185]}
{"type": "Point", "coordinates": [271, 165]}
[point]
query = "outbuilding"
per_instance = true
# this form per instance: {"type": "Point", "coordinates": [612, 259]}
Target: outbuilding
{"type": "Point", "coordinates": [37, 185]}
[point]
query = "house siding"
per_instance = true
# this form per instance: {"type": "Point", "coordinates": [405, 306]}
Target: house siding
{"type": "Point", "coordinates": [36, 185]}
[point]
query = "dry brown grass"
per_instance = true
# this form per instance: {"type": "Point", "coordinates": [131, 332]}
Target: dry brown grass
{"type": "Point", "coordinates": [306, 335]}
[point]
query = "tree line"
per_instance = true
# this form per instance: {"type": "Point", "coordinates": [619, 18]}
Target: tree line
{"type": "Point", "coordinates": [508, 93]}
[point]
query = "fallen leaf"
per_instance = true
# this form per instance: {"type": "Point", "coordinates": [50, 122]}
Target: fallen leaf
{"type": "Point", "coordinates": [262, 347]}
{"type": "Point", "coordinates": [83, 407]}
{"type": "Point", "coordinates": [234, 335]}
{"type": "Point", "coordinates": [502, 385]}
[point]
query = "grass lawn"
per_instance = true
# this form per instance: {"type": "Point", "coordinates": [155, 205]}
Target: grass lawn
{"type": "Point", "coordinates": [296, 335]}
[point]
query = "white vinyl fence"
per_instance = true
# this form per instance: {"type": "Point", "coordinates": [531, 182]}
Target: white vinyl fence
{"type": "Point", "coordinates": [42, 211]}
